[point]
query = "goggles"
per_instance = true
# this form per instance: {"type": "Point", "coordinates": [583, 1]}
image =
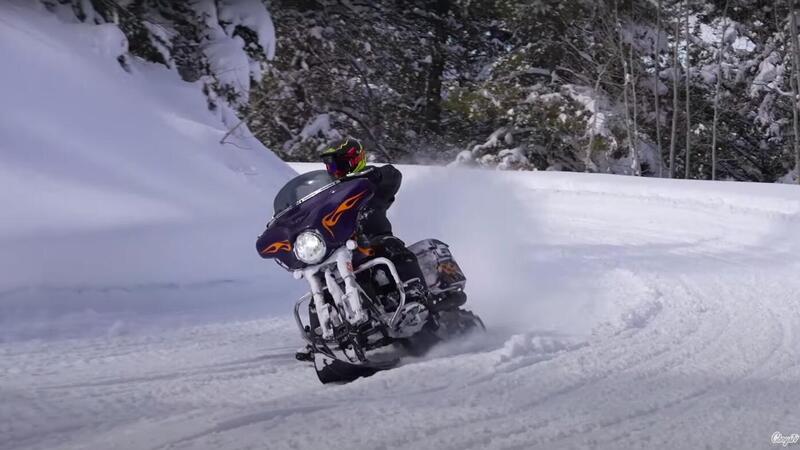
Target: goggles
{"type": "Point", "coordinates": [340, 164]}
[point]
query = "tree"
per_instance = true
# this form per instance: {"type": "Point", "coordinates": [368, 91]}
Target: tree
{"type": "Point", "coordinates": [720, 51]}
{"type": "Point", "coordinates": [433, 91]}
{"type": "Point", "coordinates": [795, 49]}
{"type": "Point", "coordinates": [657, 70]}
{"type": "Point", "coordinates": [635, 163]}
{"type": "Point", "coordinates": [627, 84]}
{"type": "Point", "coordinates": [675, 75]}
{"type": "Point", "coordinates": [688, 73]}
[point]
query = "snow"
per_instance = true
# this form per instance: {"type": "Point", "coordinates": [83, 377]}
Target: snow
{"type": "Point", "coordinates": [321, 124]}
{"type": "Point", "coordinates": [105, 172]}
{"type": "Point", "coordinates": [710, 34]}
{"type": "Point", "coordinates": [251, 14]}
{"type": "Point", "coordinates": [315, 32]}
{"type": "Point", "coordinates": [767, 75]}
{"type": "Point", "coordinates": [709, 73]}
{"type": "Point", "coordinates": [226, 53]}
{"type": "Point", "coordinates": [511, 159]}
{"type": "Point", "coordinates": [162, 35]}
{"type": "Point", "coordinates": [492, 142]}
{"type": "Point", "coordinates": [744, 44]}
{"type": "Point", "coordinates": [622, 312]}
{"type": "Point", "coordinates": [791, 177]}
{"type": "Point", "coordinates": [596, 104]}
{"type": "Point", "coordinates": [110, 41]}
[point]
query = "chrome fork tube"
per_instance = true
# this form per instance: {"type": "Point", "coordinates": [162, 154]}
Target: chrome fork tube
{"type": "Point", "coordinates": [344, 264]}
{"type": "Point", "coordinates": [338, 295]}
{"type": "Point", "coordinates": [323, 309]}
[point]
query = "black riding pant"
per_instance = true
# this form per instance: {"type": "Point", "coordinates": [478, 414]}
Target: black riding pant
{"type": "Point", "coordinates": [395, 250]}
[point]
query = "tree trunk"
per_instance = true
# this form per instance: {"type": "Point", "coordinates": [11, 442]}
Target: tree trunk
{"type": "Point", "coordinates": [656, 59]}
{"type": "Point", "coordinates": [796, 69]}
{"type": "Point", "coordinates": [716, 95]}
{"type": "Point", "coordinates": [688, 100]}
{"type": "Point", "coordinates": [588, 164]}
{"type": "Point", "coordinates": [625, 83]}
{"type": "Point", "coordinates": [675, 75]}
{"type": "Point", "coordinates": [433, 89]}
{"type": "Point", "coordinates": [637, 165]}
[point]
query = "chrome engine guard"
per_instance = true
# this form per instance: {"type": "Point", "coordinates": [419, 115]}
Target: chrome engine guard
{"type": "Point", "coordinates": [348, 300]}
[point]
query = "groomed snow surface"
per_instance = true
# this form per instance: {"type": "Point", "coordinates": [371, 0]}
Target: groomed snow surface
{"type": "Point", "coordinates": [135, 313]}
{"type": "Point", "coordinates": [622, 313]}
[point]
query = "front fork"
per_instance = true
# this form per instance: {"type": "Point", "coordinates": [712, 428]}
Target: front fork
{"type": "Point", "coordinates": [348, 300]}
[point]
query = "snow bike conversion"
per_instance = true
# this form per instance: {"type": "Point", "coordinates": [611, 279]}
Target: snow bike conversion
{"type": "Point", "coordinates": [371, 299]}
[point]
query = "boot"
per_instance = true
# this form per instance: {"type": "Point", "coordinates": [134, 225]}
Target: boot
{"type": "Point", "coordinates": [416, 291]}
{"type": "Point", "coordinates": [305, 353]}
{"type": "Point", "coordinates": [412, 318]}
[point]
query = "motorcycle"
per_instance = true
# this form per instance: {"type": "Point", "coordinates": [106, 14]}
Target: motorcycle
{"type": "Point", "coordinates": [359, 320]}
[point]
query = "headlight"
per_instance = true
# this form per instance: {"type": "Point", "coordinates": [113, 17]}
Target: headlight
{"type": "Point", "coordinates": [309, 247]}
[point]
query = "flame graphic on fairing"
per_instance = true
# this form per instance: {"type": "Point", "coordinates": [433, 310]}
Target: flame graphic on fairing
{"type": "Point", "coordinates": [275, 247]}
{"type": "Point", "coordinates": [330, 220]}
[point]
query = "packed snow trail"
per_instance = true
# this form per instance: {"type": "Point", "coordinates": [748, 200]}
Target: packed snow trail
{"type": "Point", "coordinates": [623, 313]}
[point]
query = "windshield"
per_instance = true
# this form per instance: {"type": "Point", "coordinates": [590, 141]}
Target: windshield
{"type": "Point", "coordinates": [299, 187]}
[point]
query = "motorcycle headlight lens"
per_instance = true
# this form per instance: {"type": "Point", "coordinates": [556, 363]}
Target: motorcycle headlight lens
{"type": "Point", "coordinates": [309, 247]}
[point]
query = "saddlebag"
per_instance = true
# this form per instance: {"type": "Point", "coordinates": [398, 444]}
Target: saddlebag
{"type": "Point", "coordinates": [441, 271]}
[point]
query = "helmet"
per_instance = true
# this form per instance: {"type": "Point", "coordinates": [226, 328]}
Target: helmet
{"type": "Point", "coordinates": [345, 157]}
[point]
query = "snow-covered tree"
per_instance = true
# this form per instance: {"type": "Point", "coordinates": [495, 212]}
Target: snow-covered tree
{"type": "Point", "coordinates": [585, 85]}
{"type": "Point", "coordinates": [223, 45]}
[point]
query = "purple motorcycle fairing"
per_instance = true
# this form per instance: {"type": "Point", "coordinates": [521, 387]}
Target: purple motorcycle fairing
{"type": "Point", "coordinates": [333, 213]}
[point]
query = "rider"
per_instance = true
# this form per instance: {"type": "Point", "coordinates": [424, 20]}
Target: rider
{"type": "Point", "coordinates": [347, 158]}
